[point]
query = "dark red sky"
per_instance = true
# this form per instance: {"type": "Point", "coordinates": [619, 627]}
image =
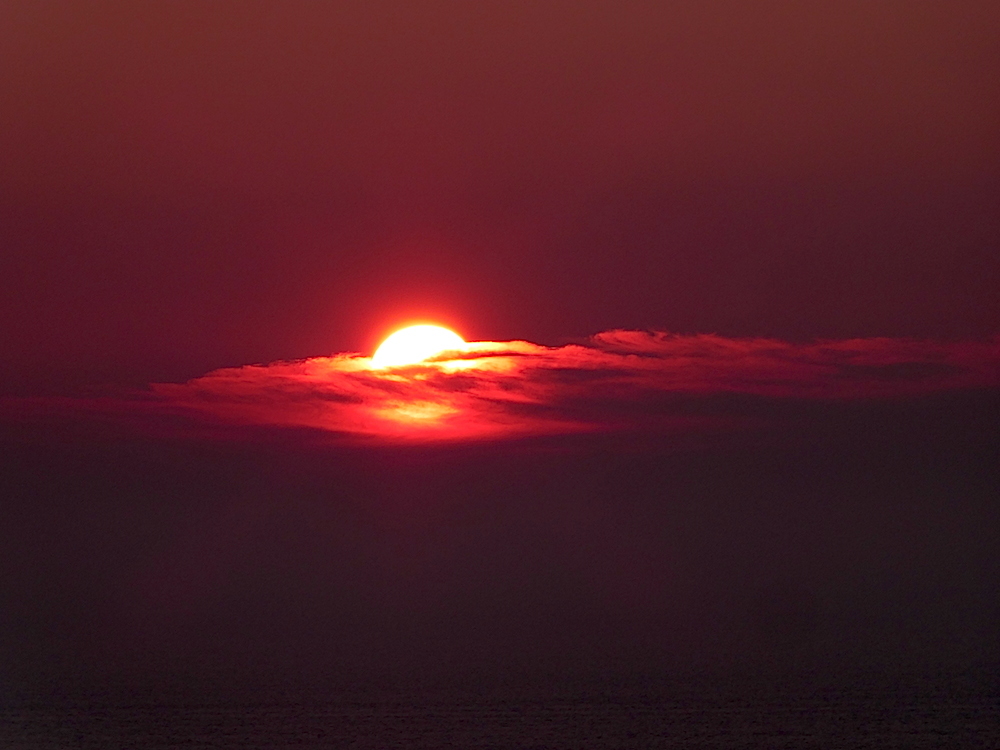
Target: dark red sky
{"type": "Point", "coordinates": [777, 223]}
{"type": "Point", "coordinates": [190, 186]}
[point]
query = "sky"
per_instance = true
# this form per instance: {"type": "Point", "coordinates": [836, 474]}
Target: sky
{"type": "Point", "coordinates": [191, 187]}
{"type": "Point", "coordinates": [730, 272]}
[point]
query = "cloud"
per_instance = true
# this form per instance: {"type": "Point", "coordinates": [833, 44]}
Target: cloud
{"type": "Point", "coordinates": [627, 382]}
{"type": "Point", "coordinates": [617, 381]}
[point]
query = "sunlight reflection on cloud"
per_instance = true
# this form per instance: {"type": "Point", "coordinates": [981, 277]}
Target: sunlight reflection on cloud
{"type": "Point", "coordinates": [619, 380]}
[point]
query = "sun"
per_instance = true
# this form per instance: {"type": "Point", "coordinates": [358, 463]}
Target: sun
{"type": "Point", "coordinates": [412, 345]}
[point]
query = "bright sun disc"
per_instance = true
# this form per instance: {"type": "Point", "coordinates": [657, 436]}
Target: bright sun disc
{"type": "Point", "coordinates": [415, 344]}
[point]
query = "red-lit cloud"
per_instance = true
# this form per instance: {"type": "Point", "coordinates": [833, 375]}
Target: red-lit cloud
{"type": "Point", "coordinates": [618, 381]}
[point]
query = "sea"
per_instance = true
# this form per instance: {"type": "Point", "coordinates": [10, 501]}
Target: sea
{"type": "Point", "coordinates": [842, 720]}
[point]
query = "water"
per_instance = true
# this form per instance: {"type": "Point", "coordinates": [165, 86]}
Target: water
{"type": "Point", "coordinates": [495, 725]}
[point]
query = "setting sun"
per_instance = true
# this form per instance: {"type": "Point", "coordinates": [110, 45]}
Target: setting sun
{"type": "Point", "coordinates": [415, 344]}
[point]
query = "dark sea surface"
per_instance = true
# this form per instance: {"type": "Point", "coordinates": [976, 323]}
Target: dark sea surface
{"type": "Point", "coordinates": [815, 721]}
{"type": "Point", "coordinates": [835, 586]}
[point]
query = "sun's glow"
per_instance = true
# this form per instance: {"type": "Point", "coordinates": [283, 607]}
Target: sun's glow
{"type": "Point", "coordinates": [415, 412]}
{"type": "Point", "coordinates": [415, 344]}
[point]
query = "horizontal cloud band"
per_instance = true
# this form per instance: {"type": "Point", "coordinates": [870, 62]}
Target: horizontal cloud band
{"type": "Point", "coordinates": [619, 380]}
